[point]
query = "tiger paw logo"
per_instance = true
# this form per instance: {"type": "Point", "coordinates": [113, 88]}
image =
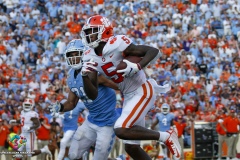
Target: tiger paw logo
{"type": "Point", "coordinates": [16, 142]}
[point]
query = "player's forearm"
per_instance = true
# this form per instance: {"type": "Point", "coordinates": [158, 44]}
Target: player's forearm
{"type": "Point", "coordinates": [90, 89]}
{"type": "Point", "coordinates": [151, 56]}
{"type": "Point", "coordinates": [68, 106]}
{"type": "Point", "coordinates": [106, 82]}
{"type": "Point", "coordinates": [35, 126]}
{"type": "Point", "coordinates": [12, 121]}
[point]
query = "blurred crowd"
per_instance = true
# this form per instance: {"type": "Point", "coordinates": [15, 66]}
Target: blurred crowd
{"type": "Point", "coordinates": [199, 40]}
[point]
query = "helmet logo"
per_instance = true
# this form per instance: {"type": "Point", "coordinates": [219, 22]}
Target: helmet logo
{"type": "Point", "coordinates": [105, 21]}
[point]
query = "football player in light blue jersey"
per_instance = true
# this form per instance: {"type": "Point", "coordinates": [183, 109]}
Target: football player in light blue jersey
{"type": "Point", "coordinates": [70, 125]}
{"type": "Point", "coordinates": [98, 126]}
{"type": "Point", "coordinates": [165, 122]}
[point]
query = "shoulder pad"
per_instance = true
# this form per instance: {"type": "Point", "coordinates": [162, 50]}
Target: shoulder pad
{"type": "Point", "coordinates": [116, 44]}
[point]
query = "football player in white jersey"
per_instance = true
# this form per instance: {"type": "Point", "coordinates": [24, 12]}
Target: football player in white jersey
{"type": "Point", "coordinates": [29, 123]}
{"type": "Point", "coordinates": [105, 53]}
{"type": "Point", "coordinates": [98, 126]}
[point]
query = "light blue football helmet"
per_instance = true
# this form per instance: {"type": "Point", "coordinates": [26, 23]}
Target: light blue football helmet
{"type": "Point", "coordinates": [73, 46]}
{"type": "Point", "coordinates": [165, 108]}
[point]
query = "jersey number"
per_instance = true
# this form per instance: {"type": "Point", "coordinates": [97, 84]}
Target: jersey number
{"type": "Point", "coordinates": [164, 121]}
{"type": "Point", "coordinates": [116, 77]}
{"type": "Point", "coordinates": [83, 95]}
{"type": "Point", "coordinates": [22, 121]}
{"type": "Point", "coordinates": [126, 39]}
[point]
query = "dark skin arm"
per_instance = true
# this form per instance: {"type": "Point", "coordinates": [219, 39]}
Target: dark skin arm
{"type": "Point", "coordinates": [148, 53]}
{"type": "Point", "coordinates": [36, 123]}
{"type": "Point", "coordinates": [91, 85]}
{"type": "Point", "coordinates": [73, 99]}
{"type": "Point", "coordinates": [71, 102]}
{"type": "Point", "coordinates": [106, 82]}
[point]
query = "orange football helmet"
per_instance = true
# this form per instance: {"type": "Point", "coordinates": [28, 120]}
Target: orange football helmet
{"type": "Point", "coordinates": [97, 25]}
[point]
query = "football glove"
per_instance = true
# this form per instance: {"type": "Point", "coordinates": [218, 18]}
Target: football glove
{"type": "Point", "coordinates": [55, 108]}
{"type": "Point", "coordinates": [88, 67]}
{"type": "Point", "coordinates": [130, 70]}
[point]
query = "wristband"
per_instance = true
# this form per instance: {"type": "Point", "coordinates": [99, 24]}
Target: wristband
{"type": "Point", "coordinates": [61, 107]}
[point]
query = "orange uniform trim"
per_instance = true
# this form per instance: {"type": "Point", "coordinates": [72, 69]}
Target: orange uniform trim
{"type": "Point", "coordinates": [145, 105]}
{"type": "Point", "coordinates": [138, 104]}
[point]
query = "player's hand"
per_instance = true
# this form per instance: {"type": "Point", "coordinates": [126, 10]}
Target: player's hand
{"type": "Point", "coordinates": [26, 128]}
{"type": "Point", "coordinates": [55, 108]}
{"type": "Point", "coordinates": [130, 70]}
{"type": "Point", "coordinates": [58, 115]}
{"type": "Point", "coordinates": [88, 67]}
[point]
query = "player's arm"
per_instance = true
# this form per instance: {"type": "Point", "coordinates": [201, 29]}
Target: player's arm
{"type": "Point", "coordinates": [155, 122]}
{"type": "Point", "coordinates": [71, 102]}
{"type": "Point", "coordinates": [147, 52]}
{"type": "Point", "coordinates": [90, 85]}
{"type": "Point", "coordinates": [12, 121]}
{"type": "Point", "coordinates": [36, 123]}
{"type": "Point", "coordinates": [66, 106]}
{"type": "Point", "coordinates": [106, 82]}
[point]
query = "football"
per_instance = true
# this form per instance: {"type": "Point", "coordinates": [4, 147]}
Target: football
{"type": "Point", "coordinates": [133, 59]}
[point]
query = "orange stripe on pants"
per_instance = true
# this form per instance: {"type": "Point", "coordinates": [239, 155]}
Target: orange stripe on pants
{"type": "Point", "coordinates": [144, 106]}
{"type": "Point", "coordinates": [138, 105]}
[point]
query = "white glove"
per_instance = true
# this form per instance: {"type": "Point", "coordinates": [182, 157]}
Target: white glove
{"type": "Point", "coordinates": [220, 121]}
{"type": "Point", "coordinates": [88, 67]}
{"type": "Point", "coordinates": [12, 121]}
{"type": "Point", "coordinates": [130, 70]}
{"type": "Point", "coordinates": [58, 115]}
{"type": "Point", "coordinates": [55, 108]}
{"type": "Point", "coordinates": [25, 128]}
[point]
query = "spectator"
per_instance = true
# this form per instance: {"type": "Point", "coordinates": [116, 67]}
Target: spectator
{"type": "Point", "coordinates": [231, 125]}
{"type": "Point", "coordinates": [4, 131]}
{"type": "Point", "coordinates": [43, 136]}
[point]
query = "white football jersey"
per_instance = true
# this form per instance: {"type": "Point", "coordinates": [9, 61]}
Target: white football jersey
{"type": "Point", "coordinates": [109, 60]}
{"type": "Point", "coordinates": [26, 118]}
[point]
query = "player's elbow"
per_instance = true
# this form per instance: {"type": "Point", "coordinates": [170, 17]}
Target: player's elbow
{"type": "Point", "coordinates": [155, 52]}
{"type": "Point", "coordinates": [93, 96]}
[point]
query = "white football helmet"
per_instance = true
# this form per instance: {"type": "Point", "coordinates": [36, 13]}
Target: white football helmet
{"type": "Point", "coordinates": [75, 61]}
{"type": "Point", "coordinates": [165, 108]}
{"type": "Point", "coordinates": [28, 104]}
{"type": "Point", "coordinates": [104, 30]}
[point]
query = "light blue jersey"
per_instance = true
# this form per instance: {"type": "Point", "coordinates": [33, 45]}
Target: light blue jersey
{"type": "Point", "coordinates": [101, 110]}
{"type": "Point", "coordinates": [164, 121]}
{"type": "Point", "coordinates": [71, 117]}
